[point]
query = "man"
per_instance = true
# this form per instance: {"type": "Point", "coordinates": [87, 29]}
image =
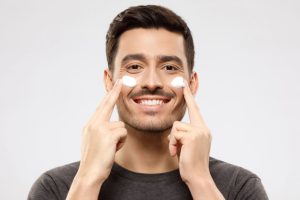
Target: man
{"type": "Point", "coordinates": [149, 153]}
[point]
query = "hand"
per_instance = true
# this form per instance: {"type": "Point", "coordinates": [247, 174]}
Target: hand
{"type": "Point", "coordinates": [101, 139]}
{"type": "Point", "coordinates": [191, 142]}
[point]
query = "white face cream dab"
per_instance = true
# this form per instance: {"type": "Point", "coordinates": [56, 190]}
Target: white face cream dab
{"type": "Point", "coordinates": [177, 82]}
{"type": "Point", "coordinates": [129, 81]}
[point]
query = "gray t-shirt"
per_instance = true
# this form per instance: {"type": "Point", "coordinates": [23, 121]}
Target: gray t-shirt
{"type": "Point", "coordinates": [234, 182]}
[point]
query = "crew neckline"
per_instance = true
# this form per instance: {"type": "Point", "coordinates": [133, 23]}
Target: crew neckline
{"type": "Point", "coordinates": [173, 175]}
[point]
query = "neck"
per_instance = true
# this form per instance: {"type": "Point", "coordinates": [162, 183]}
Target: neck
{"type": "Point", "coordinates": [146, 152]}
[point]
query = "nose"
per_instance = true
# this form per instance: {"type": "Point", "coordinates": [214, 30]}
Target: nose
{"type": "Point", "coordinates": [152, 80]}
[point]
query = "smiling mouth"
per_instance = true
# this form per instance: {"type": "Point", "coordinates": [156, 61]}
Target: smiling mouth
{"type": "Point", "coordinates": [151, 100]}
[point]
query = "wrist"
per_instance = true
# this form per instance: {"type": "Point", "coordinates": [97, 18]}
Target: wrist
{"type": "Point", "coordinates": [84, 187]}
{"type": "Point", "coordinates": [202, 181]}
{"type": "Point", "coordinates": [89, 178]}
{"type": "Point", "coordinates": [204, 187]}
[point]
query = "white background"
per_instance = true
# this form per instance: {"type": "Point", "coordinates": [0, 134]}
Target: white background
{"type": "Point", "coordinates": [52, 56]}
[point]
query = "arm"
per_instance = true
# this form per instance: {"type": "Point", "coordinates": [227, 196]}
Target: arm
{"type": "Point", "coordinates": [101, 139]}
{"type": "Point", "coordinates": [204, 188]}
{"type": "Point", "coordinates": [84, 187]}
{"type": "Point", "coordinates": [191, 143]}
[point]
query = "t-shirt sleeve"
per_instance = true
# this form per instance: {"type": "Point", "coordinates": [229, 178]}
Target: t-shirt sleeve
{"type": "Point", "coordinates": [43, 188]}
{"type": "Point", "coordinates": [252, 189]}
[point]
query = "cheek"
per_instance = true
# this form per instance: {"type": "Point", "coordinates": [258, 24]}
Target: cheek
{"type": "Point", "coordinates": [178, 93]}
{"type": "Point", "coordinates": [124, 94]}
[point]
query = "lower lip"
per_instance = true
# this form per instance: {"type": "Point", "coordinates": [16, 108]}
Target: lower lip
{"type": "Point", "coordinates": [150, 108]}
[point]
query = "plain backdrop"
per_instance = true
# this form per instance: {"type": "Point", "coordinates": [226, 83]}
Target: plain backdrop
{"type": "Point", "coordinates": [52, 57]}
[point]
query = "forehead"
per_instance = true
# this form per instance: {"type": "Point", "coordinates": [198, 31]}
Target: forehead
{"type": "Point", "coordinates": [151, 43]}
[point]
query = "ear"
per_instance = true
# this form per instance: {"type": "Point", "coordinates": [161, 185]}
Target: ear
{"type": "Point", "coordinates": [194, 83]}
{"type": "Point", "coordinates": [108, 81]}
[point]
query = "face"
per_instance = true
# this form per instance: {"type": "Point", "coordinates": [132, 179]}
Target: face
{"type": "Point", "coordinates": [153, 57]}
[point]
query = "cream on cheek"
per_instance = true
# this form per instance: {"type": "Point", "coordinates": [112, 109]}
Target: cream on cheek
{"type": "Point", "coordinates": [129, 81]}
{"type": "Point", "coordinates": [177, 82]}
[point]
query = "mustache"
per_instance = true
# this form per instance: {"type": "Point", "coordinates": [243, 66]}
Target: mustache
{"type": "Point", "coordinates": [159, 92]}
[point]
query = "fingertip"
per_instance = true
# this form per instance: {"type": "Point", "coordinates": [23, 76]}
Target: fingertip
{"type": "Point", "coordinates": [118, 83]}
{"type": "Point", "coordinates": [186, 86]}
{"type": "Point", "coordinates": [185, 83]}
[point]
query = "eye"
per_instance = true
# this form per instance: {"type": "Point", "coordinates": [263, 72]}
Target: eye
{"type": "Point", "coordinates": [170, 68]}
{"type": "Point", "coordinates": [133, 68]}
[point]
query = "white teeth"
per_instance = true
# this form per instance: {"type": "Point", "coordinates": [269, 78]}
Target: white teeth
{"type": "Point", "coordinates": [151, 102]}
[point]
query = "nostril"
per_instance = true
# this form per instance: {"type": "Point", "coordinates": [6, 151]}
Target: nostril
{"type": "Point", "coordinates": [152, 87]}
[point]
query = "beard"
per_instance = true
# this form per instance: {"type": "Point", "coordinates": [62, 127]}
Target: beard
{"type": "Point", "coordinates": [152, 122]}
{"type": "Point", "coordinates": [150, 125]}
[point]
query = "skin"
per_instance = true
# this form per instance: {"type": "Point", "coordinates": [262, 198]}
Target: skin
{"type": "Point", "coordinates": [146, 147]}
{"type": "Point", "coordinates": [147, 140]}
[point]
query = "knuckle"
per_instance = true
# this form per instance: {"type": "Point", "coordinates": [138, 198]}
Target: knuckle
{"type": "Point", "coordinates": [90, 129]}
{"type": "Point", "coordinates": [119, 133]}
{"type": "Point", "coordinates": [209, 135]}
{"type": "Point", "coordinates": [122, 124]}
{"type": "Point", "coordinates": [207, 132]}
{"type": "Point", "coordinates": [123, 130]}
{"type": "Point", "coordinates": [176, 123]}
{"type": "Point", "coordinates": [176, 134]}
{"type": "Point", "coordinates": [95, 128]}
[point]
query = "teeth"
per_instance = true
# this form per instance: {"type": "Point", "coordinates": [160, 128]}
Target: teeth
{"type": "Point", "coordinates": [151, 102]}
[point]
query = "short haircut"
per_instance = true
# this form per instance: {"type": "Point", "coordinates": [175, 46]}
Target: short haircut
{"type": "Point", "coordinates": [148, 16]}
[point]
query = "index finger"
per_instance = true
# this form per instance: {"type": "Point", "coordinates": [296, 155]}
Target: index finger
{"type": "Point", "coordinates": [193, 109]}
{"type": "Point", "coordinates": [106, 107]}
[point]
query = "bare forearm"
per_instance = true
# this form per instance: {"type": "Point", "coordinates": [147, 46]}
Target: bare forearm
{"type": "Point", "coordinates": [204, 189]}
{"type": "Point", "coordinates": [84, 188]}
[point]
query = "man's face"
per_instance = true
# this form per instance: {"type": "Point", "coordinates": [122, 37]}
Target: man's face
{"type": "Point", "coordinates": [153, 57]}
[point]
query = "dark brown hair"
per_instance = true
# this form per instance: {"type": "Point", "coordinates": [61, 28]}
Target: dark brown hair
{"type": "Point", "coordinates": [148, 16]}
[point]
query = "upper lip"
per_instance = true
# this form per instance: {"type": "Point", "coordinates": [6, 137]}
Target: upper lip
{"type": "Point", "coordinates": [151, 97]}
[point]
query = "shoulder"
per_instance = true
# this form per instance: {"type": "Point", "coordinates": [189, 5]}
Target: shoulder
{"type": "Point", "coordinates": [236, 182]}
{"type": "Point", "coordinates": [64, 171]}
{"type": "Point", "coordinates": [222, 169]}
{"type": "Point", "coordinates": [54, 183]}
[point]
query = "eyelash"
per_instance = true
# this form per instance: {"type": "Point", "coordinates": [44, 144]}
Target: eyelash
{"type": "Point", "coordinates": [174, 68]}
{"type": "Point", "coordinates": [133, 71]}
{"type": "Point", "coordinates": [129, 67]}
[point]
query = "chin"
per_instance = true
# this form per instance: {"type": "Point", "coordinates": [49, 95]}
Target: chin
{"type": "Point", "coordinates": [147, 124]}
{"type": "Point", "coordinates": [151, 122]}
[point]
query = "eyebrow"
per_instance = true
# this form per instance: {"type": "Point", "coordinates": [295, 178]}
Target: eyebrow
{"type": "Point", "coordinates": [129, 57]}
{"type": "Point", "coordinates": [142, 57]}
{"type": "Point", "coordinates": [163, 58]}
